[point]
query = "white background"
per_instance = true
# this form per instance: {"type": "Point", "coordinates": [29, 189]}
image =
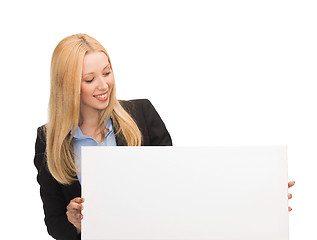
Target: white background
{"type": "Point", "coordinates": [218, 72]}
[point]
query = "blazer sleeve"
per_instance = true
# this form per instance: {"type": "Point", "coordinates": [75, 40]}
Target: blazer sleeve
{"type": "Point", "coordinates": [158, 134]}
{"type": "Point", "coordinates": [54, 203]}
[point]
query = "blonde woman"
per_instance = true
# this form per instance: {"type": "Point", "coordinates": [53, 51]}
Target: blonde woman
{"type": "Point", "coordinates": [84, 110]}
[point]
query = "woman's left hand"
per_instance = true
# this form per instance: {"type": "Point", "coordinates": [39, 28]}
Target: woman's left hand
{"type": "Point", "coordinates": [290, 184]}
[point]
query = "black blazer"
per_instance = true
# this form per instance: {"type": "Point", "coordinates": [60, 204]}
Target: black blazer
{"type": "Point", "coordinates": [56, 196]}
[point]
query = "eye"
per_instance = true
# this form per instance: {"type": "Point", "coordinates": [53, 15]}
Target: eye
{"type": "Point", "coordinates": [107, 73]}
{"type": "Point", "coordinates": [89, 81]}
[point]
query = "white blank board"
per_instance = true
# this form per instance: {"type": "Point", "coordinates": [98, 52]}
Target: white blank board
{"type": "Point", "coordinates": [196, 193]}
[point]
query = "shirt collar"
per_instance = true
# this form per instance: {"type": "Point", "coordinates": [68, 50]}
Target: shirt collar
{"type": "Point", "coordinates": [79, 134]}
{"type": "Point", "coordinates": [109, 124]}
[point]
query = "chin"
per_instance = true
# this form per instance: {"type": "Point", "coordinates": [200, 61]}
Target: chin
{"type": "Point", "coordinates": [104, 105]}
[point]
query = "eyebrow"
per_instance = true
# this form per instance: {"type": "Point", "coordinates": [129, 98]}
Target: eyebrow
{"type": "Point", "coordinates": [93, 72]}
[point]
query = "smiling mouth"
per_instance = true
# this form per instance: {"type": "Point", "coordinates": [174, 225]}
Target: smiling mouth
{"type": "Point", "coordinates": [103, 96]}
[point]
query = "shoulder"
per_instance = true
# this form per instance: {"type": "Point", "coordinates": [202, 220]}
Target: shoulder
{"type": "Point", "coordinates": [135, 103]}
{"type": "Point", "coordinates": [41, 138]}
{"type": "Point", "coordinates": [137, 107]}
{"type": "Point", "coordinates": [40, 147]}
{"type": "Point", "coordinates": [149, 122]}
{"type": "Point", "coordinates": [42, 130]}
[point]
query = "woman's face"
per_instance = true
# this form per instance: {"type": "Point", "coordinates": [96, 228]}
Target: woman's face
{"type": "Point", "coordinates": [97, 82]}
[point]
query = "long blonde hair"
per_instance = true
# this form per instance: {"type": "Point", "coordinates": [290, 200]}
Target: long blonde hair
{"type": "Point", "coordinates": [64, 106]}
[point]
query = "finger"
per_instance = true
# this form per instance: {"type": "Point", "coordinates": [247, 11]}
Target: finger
{"type": "Point", "coordinates": [74, 211]}
{"type": "Point", "coordinates": [78, 218]}
{"type": "Point", "coordinates": [74, 217]}
{"type": "Point", "coordinates": [290, 196]}
{"type": "Point", "coordinates": [290, 209]}
{"type": "Point", "coordinates": [78, 200]}
{"type": "Point", "coordinates": [74, 221]}
{"type": "Point", "coordinates": [74, 206]}
{"type": "Point", "coordinates": [291, 184]}
{"type": "Point", "coordinates": [71, 215]}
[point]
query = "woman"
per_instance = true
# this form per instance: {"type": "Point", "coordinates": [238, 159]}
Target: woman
{"type": "Point", "coordinates": [84, 110]}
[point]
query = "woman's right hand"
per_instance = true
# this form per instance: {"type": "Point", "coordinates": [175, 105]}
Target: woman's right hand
{"type": "Point", "coordinates": [73, 213]}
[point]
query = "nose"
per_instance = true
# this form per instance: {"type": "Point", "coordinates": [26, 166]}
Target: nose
{"type": "Point", "coordinates": [102, 84]}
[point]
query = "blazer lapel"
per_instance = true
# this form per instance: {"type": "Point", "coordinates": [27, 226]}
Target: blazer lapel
{"type": "Point", "coordinates": [77, 188]}
{"type": "Point", "coordinates": [120, 140]}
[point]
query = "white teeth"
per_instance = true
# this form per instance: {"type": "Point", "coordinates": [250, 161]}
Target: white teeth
{"type": "Point", "coordinates": [101, 96]}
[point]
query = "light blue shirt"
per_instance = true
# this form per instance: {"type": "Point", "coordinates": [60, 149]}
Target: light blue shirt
{"type": "Point", "coordinates": [81, 139]}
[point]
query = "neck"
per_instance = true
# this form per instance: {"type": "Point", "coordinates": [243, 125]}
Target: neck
{"type": "Point", "coordinates": [88, 123]}
{"type": "Point", "coordinates": [89, 120]}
